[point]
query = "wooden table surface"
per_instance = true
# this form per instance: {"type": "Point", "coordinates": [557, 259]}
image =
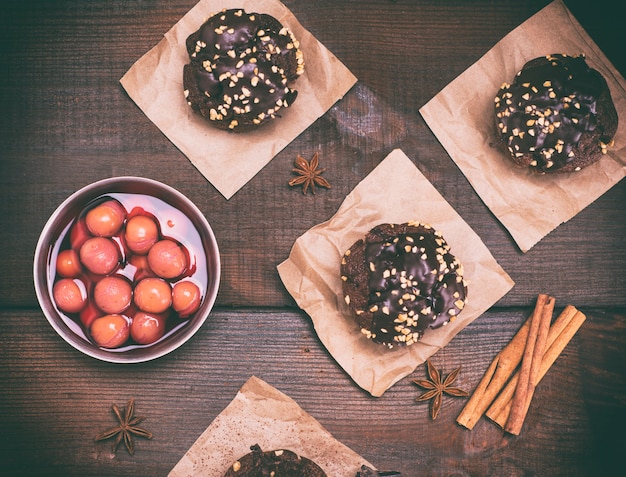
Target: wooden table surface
{"type": "Point", "coordinates": [66, 122]}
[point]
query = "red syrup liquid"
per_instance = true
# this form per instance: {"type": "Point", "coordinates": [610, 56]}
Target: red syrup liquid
{"type": "Point", "coordinates": [172, 224]}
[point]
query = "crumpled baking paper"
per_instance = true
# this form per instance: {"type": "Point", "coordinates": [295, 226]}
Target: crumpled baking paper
{"type": "Point", "coordinates": [260, 414]}
{"type": "Point", "coordinates": [394, 192]}
{"type": "Point", "coordinates": [229, 160]}
{"type": "Point", "coordinates": [529, 205]}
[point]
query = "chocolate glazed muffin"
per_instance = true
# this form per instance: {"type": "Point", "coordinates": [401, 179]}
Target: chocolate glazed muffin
{"type": "Point", "coordinates": [400, 280]}
{"type": "Point", "coordinates": [239, 70]}
{"type": "Point", "coordinates": [557, 116]}
{"type": "Point", "coordinates": [277, 463]}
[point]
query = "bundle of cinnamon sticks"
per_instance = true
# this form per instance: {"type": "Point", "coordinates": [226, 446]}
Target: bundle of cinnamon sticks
{"type": "Point", "coordinates": [505, 392]}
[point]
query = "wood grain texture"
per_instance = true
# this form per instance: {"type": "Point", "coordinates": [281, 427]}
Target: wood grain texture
{"type": "Point", "coordinates": [67, 122]}
{"type": "Point", "coordinates": [54, 400]}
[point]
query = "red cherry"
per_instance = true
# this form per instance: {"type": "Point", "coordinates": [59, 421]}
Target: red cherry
{"type": "Point", "coordinates": [79, 234]}
{"type": "Point", "coordinates": [70, 295]}
{"type": "Point", "coordinates": [89, 314]}
{"type": "Point", "coordinates": [167, 259]}
{"type": "Point", "coordinates": [68, 263]}
{"type": "Point", "coordinates": [147, 328]}
{"type": "Point", "coordinates": [186, 298]}
{"type": "Point", "coordinates": [110, 331]}
{"type": "Point", "coordinates": [153, 295]}
{"type": "Point", "coordinates": [106, 219]}
{"type": "Point", "coordinates": [142, 269]}
{"type": "Point", "coordinates": [141, 233]}
{"type": "Point", "coordinates": [113, 294]}
{"type": "Point", "coordinates": [100, 255]}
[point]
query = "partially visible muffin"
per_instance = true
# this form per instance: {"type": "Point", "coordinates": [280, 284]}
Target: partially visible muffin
{"type": "Point", "coordinates": [400, 280]}
{"type": "Point", "coordinates": [556, 116]}
{"type": "Point", "coordinates": [240, 68]}
{"type": "Point", "coordinates": [277, 463]}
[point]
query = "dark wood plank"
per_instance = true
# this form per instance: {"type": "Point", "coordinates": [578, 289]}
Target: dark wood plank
{"type": "Point", "coordinates": [66, 122]}
{"type": "Point", "coordinates": [54, 400]}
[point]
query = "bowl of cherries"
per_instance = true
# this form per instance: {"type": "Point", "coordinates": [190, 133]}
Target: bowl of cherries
{"type": "Point", "coordinates": [126, 269]}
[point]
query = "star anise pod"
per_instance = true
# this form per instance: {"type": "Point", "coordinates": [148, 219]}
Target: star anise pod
{"type": "Point", "coordinates": [309, 175]}
{"type": "Point", "coordinates": [126, 429]}
{"type": "Point", "coordinates": [436, 387]}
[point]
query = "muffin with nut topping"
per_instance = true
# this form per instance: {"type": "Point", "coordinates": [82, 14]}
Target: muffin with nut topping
{"type": "Point", "coordinates": [278, 463]}
{"type": "Point", "coordinates": [556, 116]}
{"type": "Point", "coordinates": [400, 280]}
{"type": "Point", "coordinates": [241, 68]}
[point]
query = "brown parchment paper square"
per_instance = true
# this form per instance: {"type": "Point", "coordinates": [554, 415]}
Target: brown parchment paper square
{"type": "Point", "coordinates": [260, 414]}
{"type": "Point", "coordinates": [229, 160]}
{"type": "Point", "coordinates": [462, 117]}
{"type": "Point", "coordinates": [395, 192]}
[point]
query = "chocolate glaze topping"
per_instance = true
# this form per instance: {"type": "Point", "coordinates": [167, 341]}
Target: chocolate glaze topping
{"type": "Point", "coordinates": [413, 282]}
{"type": "Point", "coordinates": [240, 66]}
{"type": "Point", "coordinates": [278, 463]}
{"type": "Point", "coordinates": [543, 115]}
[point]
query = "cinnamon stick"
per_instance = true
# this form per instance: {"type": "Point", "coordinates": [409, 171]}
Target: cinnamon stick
{"type": "Point", "coordinates": [531, 362]}
{"type": "Point", "coordinates": [497, 375]}
{"type": "Point", "coordinates": [560, 334]}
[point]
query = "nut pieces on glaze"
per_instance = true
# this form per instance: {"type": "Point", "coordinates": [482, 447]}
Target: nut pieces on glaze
{"type": "Point", "coordinates": [556, 116]}
{"type": "Point", "coordinates": [400, 280]}
{"type": "Point", "coordinates": [279, 462]}
{"type": "Point", "coordinates": [239, 70]}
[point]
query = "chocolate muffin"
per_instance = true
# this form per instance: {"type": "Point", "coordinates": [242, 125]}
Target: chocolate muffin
{"type": "Point", "coordinates": [277, 463]}
{"type": "Point", "coordinates": [400, 280]}
{"type": "Point", "coordinates": [556, 116]}
{"type": "Point", "coordinates": [239, 70]}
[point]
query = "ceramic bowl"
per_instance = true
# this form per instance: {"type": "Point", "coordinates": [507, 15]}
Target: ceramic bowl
{"type": "Point", "coordinates": [179, 220]}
